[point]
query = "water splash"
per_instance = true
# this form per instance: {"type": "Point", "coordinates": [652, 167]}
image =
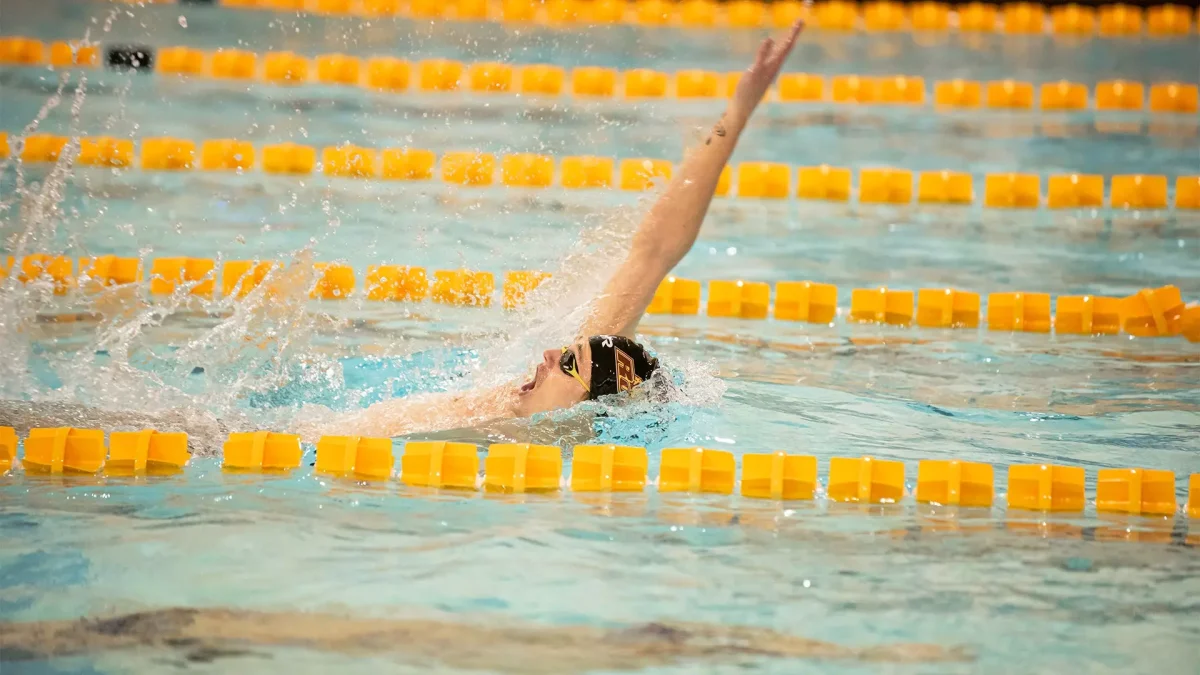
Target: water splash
{"type": "Point", "coordinates": [257, 360]}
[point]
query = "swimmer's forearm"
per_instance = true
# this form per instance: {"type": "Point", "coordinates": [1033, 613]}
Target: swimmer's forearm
{"type": "Point", "coordinates": [668, 231]}
{"type": "Point", "coordinates": [673, 223]}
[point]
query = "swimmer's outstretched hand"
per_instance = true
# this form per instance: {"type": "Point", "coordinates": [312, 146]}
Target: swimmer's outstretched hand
{"type": "Point", "coordinates": [759, 76]}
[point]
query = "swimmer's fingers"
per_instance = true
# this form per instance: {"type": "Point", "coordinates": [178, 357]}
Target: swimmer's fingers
{"type": "Point", "coordinates": [772, 54]}
{"type": "Point", "coordinates": [758, 78]}
{"type": "Point", "coordinates": [765, 52]}
{"type": "Point", "coordinates": [780, 53]}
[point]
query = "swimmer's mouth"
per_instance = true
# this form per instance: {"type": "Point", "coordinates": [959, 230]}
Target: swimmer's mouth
{"type": "Point", "coordinates": [533, 382]}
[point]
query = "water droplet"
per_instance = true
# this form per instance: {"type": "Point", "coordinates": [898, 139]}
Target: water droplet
{"type": "Point", "coordinates": [182, 21]}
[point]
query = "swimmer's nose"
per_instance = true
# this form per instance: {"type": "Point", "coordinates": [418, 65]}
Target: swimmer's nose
{"type": "Point", "coordinates": [551, 355]}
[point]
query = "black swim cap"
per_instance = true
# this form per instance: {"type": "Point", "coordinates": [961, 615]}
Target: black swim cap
{"type": "Point", "coordinates": [618, 364]}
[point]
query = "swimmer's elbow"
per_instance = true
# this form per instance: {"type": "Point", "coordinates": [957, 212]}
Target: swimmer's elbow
{"type": "Point", "coordinates": [655, 256]}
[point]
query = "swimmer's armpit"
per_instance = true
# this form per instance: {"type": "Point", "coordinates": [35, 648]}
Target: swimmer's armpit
{"type": "Point", "coordinates": [213, 634]}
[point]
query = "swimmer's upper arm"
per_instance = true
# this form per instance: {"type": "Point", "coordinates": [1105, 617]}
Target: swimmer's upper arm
{"type": "Point", "coordinates": [619, 307]}
{"type": "Point", "coordinates": [673, 223]}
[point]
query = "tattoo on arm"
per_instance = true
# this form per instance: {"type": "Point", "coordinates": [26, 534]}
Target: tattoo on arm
{"type": "Point", "coordinates": [718, 129]}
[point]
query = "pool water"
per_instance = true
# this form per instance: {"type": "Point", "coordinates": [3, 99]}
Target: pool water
{"type": "Point", "coordinates": [990, 591]}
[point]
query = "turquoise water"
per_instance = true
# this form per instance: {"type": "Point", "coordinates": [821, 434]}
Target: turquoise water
{"type": "Point", "coordinates": [1092, 593]}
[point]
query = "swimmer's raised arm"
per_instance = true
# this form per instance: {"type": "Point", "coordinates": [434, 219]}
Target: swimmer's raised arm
{"type": "Point", "coordinates": [670, 228]}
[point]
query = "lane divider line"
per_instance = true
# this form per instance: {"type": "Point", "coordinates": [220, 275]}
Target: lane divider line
{"type": "Point", "coordinates": [1150, 312]}
{"type": "Point", "coordinates": [519, 468]}
{"type": "Point", "coordinates": [1070, 21]}
{"type": "Point", "coordinates": [542, 81]}
{"type": "Point", "coordinates": [751, 180]}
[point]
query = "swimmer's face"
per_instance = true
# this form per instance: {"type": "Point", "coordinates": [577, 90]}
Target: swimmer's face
{"type": "Point", "coordinates": [551, 388]}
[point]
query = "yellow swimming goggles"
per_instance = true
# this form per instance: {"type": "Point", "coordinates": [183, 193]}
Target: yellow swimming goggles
{"type": "Point", "coordinates": [568, 365]}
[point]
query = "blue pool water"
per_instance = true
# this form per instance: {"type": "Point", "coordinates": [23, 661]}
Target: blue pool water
{"type": "Point", "coordinates": [1089, 592]}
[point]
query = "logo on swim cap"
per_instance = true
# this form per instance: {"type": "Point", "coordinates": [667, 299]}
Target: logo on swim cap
{"type": "Point", "coordinates": [626, 376]}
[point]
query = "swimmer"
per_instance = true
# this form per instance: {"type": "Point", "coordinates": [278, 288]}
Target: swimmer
{"type": "Point", "coordinates": [605, 360]}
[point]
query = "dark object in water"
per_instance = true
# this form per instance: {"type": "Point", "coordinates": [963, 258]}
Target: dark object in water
{"type": "Point", "coordinates": [130, 57]}
{"type": "Point", "coordinates": [147, 624]}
